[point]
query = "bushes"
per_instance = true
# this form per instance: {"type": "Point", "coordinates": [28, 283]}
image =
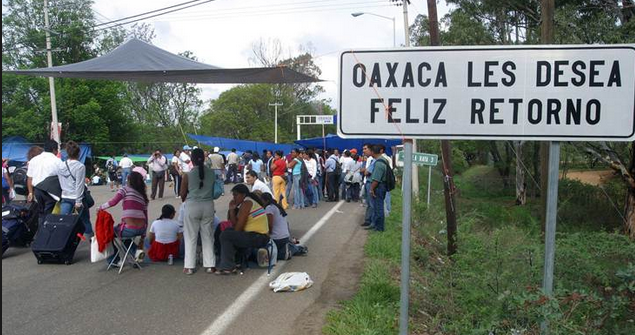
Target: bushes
{"type": "Point", "coordinates": [588, 207]}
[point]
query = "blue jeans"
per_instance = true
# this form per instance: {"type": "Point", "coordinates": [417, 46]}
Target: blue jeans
{"type": "Point", "coordinates": [124, 176]}
{"type": "Point", "coordinates": [66, 208]}
{"type": "Point", "coordinates": [316, 197]}
{"type": "Point", "coordinates": [378, 209]}
{"type": "Point", "coordinates": [289, 186]}
{"type": "Point", "coordinates": [128, 232]}
{"type": "Point", "coordinates": [320, 186]}
{"type": "Point", "coordinates": [298, 195]}
{"type": "Point", "coordinates": [368, 218]}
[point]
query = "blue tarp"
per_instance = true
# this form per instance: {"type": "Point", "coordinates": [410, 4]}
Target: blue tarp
{"type": "Point", "coordinates": [331, 141]}
{"type": "Point", "coordinates": [15, 148]}
{"type": "Point", "coordinates": [242, 145]}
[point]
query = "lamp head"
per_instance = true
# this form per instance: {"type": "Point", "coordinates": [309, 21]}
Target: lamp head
{"type": "Point", "coordinates": [357, 14]}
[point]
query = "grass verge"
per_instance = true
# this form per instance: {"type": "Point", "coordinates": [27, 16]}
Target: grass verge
{"type": "Point", "coordinates": [492, 285]}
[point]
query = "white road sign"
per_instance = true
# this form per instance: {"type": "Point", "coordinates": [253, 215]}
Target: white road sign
{"type": "Point", "coordinates": [315, 119]}
{"type": "Point", "coordinates": [544, 93]}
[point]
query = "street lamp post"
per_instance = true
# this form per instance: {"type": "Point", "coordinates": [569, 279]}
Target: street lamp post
{"type": "Point", "coordinates": [394, 41]}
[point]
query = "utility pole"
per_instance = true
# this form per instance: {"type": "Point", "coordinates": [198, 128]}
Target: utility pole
{"type": "Point", "coordinates": [446, 150]}
{"type": "Point", "coordinates": [276, 119]}
{"type": "Point", "coordinates": [55, 127]}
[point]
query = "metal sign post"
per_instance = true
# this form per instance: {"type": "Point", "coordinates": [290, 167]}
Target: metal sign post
{"type": "Point", "coordinates": [405, 238]}
{"type": "Point", "coordinates": [550, 229]}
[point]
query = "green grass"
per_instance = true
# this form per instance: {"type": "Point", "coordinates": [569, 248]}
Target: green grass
{"type": "Point", "coordinates": [492, 285]}
{"type": "Point", "coordinates": [374, 310]}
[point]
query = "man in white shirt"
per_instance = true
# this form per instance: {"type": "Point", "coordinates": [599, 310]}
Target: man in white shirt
{"type": "Point", "coordinates": [46, 192]}
{"type": "Point", "coordinates": [126, 165]}
{"type": "Point", "coordinates": [185, 160]}
{"type": "Point", "coordinates": [158, 164]}
{"type": "Point", "coordinates": [256, 184]}
{"type": "Point", "coordinates": [347, 163]}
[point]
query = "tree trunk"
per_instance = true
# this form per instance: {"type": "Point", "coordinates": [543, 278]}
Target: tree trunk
{"type": "Point", "coordinates": [521, 191]}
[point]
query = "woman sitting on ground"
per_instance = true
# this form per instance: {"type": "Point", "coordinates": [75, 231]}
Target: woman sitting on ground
{"type": "Point", "coordinates": [165, 235]}
{"type": "Point", "coordinates": [134, 219]}
{"type": "Point", "coordinates": [250, 228]}
{"type": "Point", "coordinates": [278, 225]}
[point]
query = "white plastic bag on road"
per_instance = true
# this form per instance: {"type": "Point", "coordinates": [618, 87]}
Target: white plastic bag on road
{"type": "Point", "coordinates": [291, 282]}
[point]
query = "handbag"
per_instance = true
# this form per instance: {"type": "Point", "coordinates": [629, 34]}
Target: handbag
{"type": "Point", "coordinates": [95, 255]}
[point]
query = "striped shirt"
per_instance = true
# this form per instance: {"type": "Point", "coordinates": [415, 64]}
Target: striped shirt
{"type": "Point", "coordinates": [134, 205]}
{"type": "Point", "coordinates": [257, 220]}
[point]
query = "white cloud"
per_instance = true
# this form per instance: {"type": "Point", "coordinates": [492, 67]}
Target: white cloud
{"type": "Point", "coordinates": [221, 32]}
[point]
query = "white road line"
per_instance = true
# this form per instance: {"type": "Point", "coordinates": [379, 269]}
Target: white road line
{"type": "Point", "coordinates": [235, 309]}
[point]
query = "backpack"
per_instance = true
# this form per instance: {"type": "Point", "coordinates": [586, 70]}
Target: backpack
{"type": "Point", "coordinates": [338, 167]}
{"type": "Point", "coordinates": [390, 176]}
{"type": "Point", "coordinates": [19, 181]}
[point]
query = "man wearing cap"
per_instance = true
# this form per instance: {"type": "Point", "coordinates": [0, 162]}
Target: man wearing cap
{"type": "Point", "coordinates": [126, 167]}
{"type": "Point", "coordinates": [184, 159]}
{"type": "Point", "coordinates": [159, 166]}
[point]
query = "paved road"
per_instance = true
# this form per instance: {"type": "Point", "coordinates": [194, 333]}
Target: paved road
{"type": "Point", "coordinates": [85, 299]}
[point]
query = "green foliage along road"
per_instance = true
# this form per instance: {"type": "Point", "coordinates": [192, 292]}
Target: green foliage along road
{"type": "Point", "coordinates": [492, 285]}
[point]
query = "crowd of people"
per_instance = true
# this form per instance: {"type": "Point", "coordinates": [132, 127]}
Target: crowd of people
{"type": "Point", "coordinates": [265, 186]}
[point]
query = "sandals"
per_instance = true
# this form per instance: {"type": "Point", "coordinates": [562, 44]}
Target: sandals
{"type": "Point", "coordinates": [210, 270]}
{"type": "Point", "coordinates": [188, 271]}
{"type": "Point", "coordinates": [226, 272]}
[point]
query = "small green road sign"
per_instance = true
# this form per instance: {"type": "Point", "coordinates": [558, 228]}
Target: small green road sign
{"type": "Point", "coordinates": [421, 158]}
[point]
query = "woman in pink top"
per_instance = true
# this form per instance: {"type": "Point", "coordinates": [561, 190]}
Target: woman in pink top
{"type": "Point", "coordinates": [134, 219]}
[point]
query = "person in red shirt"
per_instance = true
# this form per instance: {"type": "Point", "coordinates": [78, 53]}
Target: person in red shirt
{"type": "Point", "coordinates": [278, 170]}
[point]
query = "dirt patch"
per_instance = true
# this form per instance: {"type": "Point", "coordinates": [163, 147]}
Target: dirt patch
{"type": "Point", "coordinates": [341, 284]}
{"type": "Point", "coordinates": [591, 177]}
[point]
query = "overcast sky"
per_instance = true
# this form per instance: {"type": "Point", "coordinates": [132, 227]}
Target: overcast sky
{"type": "Point", "coordinates": [222, 32]}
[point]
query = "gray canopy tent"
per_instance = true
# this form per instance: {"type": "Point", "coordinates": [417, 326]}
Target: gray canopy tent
{"type": "Point", "coordinates": [139, 61]}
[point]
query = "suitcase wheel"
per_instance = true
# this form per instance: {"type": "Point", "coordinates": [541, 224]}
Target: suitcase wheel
{"type": "Point", "coordinates": [67, 262]}
{"type": "Point", "coordinates": [39, 261]}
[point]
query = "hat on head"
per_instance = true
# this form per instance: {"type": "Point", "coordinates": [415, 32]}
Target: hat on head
{"type": "Point", "coordinates": [353, 151]}
{"type": "Point", "coordinates": [186, 147]}
{"type": "Point", "coordinates": [195, 147]}
{"type": "Point", "coordinates": [216, 149]}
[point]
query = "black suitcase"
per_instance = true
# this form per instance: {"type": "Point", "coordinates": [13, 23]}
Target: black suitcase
{"type": "Point", "coordinates": [20, 222]}
{"type": "Point", "coordinates": [57, 238]}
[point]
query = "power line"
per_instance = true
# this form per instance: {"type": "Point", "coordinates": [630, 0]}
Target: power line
{"type": "Point", "coordinates": [155, 15]}
{"type": "Point", "coordinates": [317, 8]}
{"type": "Point", "coordinates": [255, 11]}
{"type": "Point", "coordinates": [150, 12]}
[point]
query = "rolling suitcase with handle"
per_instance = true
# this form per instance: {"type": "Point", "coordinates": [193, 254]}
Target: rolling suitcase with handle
{"type": "Point", "coordinates": [57, 238]}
